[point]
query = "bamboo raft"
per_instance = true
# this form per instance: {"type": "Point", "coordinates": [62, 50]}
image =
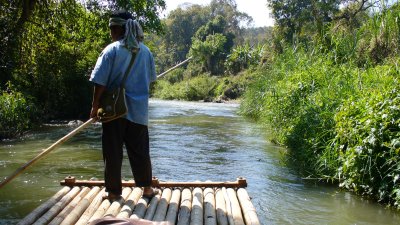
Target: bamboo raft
{"type": "Point", "coordinates": [196, 203]}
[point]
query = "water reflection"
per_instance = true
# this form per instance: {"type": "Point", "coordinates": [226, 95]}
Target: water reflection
{"type": "Point", "coordinates": [189, 141]}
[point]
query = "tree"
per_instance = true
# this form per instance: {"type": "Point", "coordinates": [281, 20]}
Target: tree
{"type": "Point", "coordinates": [211, 44]}
{"type": "Point", "coordinates": [234, 18]}
{"type": "Point", "coordinates": [181, 25]}
{"type": "Point", "coordinates": [48, 48]}
{"type": "Point", "coordinates": [305, 18]}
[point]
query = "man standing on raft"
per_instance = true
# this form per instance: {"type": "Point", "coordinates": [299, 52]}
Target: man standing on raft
{"type": "Point", "coordinates": [131, 130]}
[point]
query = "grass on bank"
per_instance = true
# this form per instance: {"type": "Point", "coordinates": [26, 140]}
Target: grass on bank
{"type": "Point", "coordinates": [337, 107]}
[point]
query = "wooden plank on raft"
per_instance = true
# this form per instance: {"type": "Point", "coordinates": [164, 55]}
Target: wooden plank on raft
{"type": "Point", "coordinates": [91, 209]}
{"type": "Point", "coordinates": [196, 216]}
{"type": "Point", "coordinates": [209, 207]}
{"type": "Point", "coordinates": [235, 206]}
{"type": "Point", "coordinates": [130, 203]}
{"type": "Point", "coordinates": [220, 205]}
{"type": "Point", "coordinates": [186, 207]}
{"type": "Point", "coordinates": [39, 211]}
{"type": "Point", "coordinates": [249, 212]}
{"type": "Point", "coordinates": [116, 205]}
{"type": "Point", "coordinates": [163, 205]}
{"type": "Point", "coordinates": [239, 183]}
{"type": "Point", "coordinates": [53, 211]}
{"type": "Point", "coordinates": [77, 212]}
{"type": "Point", "coordinates": [63, 214]}
{"type": "Point", "coordinates": [173, 207]}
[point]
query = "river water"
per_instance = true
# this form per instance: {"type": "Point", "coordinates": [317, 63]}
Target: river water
{"type": "Point", "coordinates": [189, 141]}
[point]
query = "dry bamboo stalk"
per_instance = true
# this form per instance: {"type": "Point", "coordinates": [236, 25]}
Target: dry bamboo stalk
{"type": "Point", "coordinates": [140, 209]}
{"type": "Point", "coordinates": [152, 207]}
{"type": "Point", "coordinates": [130, 203]}
{"type": "Point", "coordinates": [35, 214]}
{"type": "Point", "coordinates": [209, 207]}
{"type": "Point", "coordinates": [53, 211]}
{"type": "Point", "coordinates": [63, 214]}
{"type": "Point", "coordinates": [196, 216]}
{"type": "Point", "coordinates": [113, 210]}
{"type": "Point", "coordinates": [100, 210]}
{"type": "Point", "coordinates": [221, 207]}
{"type": "Point", "coordinates": [176, 66]}
{"type": "Point", "coordinates": [76, 213]}
{"type": "Point", "coordinates": [228, 206]}
{"type": "Point", "coordinates": [236, 210]}
{"type": "Point", "coordinates": [163, 205]}
{"type": "Point", "coordinates": [173, 206]}
{"type": "Point", "coordinates": [186, 207]}
{"type": "Point", "coordinates": [249, 212]}
{"type": "Point", "coordinates": [91, 209]}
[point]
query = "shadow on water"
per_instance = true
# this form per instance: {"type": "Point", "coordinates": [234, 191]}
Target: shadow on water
{"type": "Point", "coordinates": [189, 141]}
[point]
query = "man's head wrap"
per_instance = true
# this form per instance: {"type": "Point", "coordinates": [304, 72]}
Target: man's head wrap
{"type": "Point", "coordinates": [133, 30]}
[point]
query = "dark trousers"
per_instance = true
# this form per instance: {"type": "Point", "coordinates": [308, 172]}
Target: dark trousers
{"type": "Point", "coordinates": [136, 139]}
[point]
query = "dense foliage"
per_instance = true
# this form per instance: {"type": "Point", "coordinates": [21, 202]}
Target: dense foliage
{"type": "Point", "coordinates": [47, 51]}
{"type": "Point", "coordinates": [16, 113]}
{"type": "Point", "coordinates": [334, 101]}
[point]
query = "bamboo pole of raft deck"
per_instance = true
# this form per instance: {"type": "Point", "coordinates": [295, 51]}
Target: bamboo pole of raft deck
{"type": "Point", "coordinates": [228, 206]}
{"type": "Point", "coordinates": [221, 207]}
{"type": "Point", "coordinates": [100, 210]}
{"type": "Point", "coordinates": [186, 207]}
{"type": "Point", "coordinates": [53, 211]}
{"type": "Point", "coordinates": [130, 203]}
{"type": "Point", "coordinates": [151, 209]}
{"type": "Point", "coordinates": [91, 209]}
{"type": "Point", "coordinates": [35, 214]}
{"type": "Point", "coordinates": [63, 214]}
{"type": "Point", "coordinates": [209, 207]}
{"type": "Point", "coordinates": [236, 210]}
{"type": "Point", "coordinates": [249, 212]}
{"type": "Point", "coordinates": [113, 210]}
{"type": "Point", "coordinates": [44, 152]}
{"type": "Point", "coordinates": [173, 207]}
{"type": "Point", "coordinates": [178, 65]}
{"type": "Point", "coordinates": [163, 205]}
{"type": "Point", "coordinates": [140, 209]}
{"type": "Point", "coordinates": [196, 216]}
{"type": "Point", "coordinates": [77, 211]}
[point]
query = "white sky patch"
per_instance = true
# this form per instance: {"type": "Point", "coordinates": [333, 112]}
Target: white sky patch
{"type": "Point", "coordinates": [255, 8]}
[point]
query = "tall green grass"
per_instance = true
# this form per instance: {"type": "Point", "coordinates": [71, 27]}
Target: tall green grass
{"type": "Point", "coordinates": [336, 106]}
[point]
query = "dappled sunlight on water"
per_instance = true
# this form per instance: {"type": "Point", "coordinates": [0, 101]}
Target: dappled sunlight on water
{"type": "Point", "coordinates": [189, 141]}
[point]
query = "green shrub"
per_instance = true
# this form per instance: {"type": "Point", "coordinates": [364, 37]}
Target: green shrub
{"type": "Point", "coordinates": [17, 113]}
{"type": "Point", "coordinates": [194, 89]}
{"type": "Point", "coordinates": [368, 143]}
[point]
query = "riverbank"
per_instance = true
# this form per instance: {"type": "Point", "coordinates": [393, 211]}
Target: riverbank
{"type": "Point", "coordinates": [338, 117]}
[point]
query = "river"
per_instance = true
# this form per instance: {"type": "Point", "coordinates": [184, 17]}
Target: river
{"type": "Point", "coordinates": [189, 141]}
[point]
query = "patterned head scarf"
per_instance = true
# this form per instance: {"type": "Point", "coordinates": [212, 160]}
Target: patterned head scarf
{"type": "Point", "coordinates": [133, 32]}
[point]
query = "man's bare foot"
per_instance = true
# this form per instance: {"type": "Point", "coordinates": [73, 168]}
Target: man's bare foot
{"type": "Point", "coordinates": [110, 196]}
{"type": "Point", "coordinates": [149, 192]}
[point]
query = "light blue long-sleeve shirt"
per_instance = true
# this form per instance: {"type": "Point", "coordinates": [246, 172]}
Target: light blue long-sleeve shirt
{"type": "Point", "coordinates": [110, 69]}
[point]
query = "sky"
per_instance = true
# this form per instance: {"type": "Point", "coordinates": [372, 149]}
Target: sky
{"type": "Point", "coordinates": [255, 8]}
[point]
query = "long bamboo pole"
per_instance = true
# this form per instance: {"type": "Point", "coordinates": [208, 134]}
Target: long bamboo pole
{"type": "Point", "coordinates": [172, 68]}
{"type": "Point", "coordinates": [44, 152]}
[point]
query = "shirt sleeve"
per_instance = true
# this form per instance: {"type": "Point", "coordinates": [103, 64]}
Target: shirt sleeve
{"type": "Point", "coordinates": [102, 70]}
